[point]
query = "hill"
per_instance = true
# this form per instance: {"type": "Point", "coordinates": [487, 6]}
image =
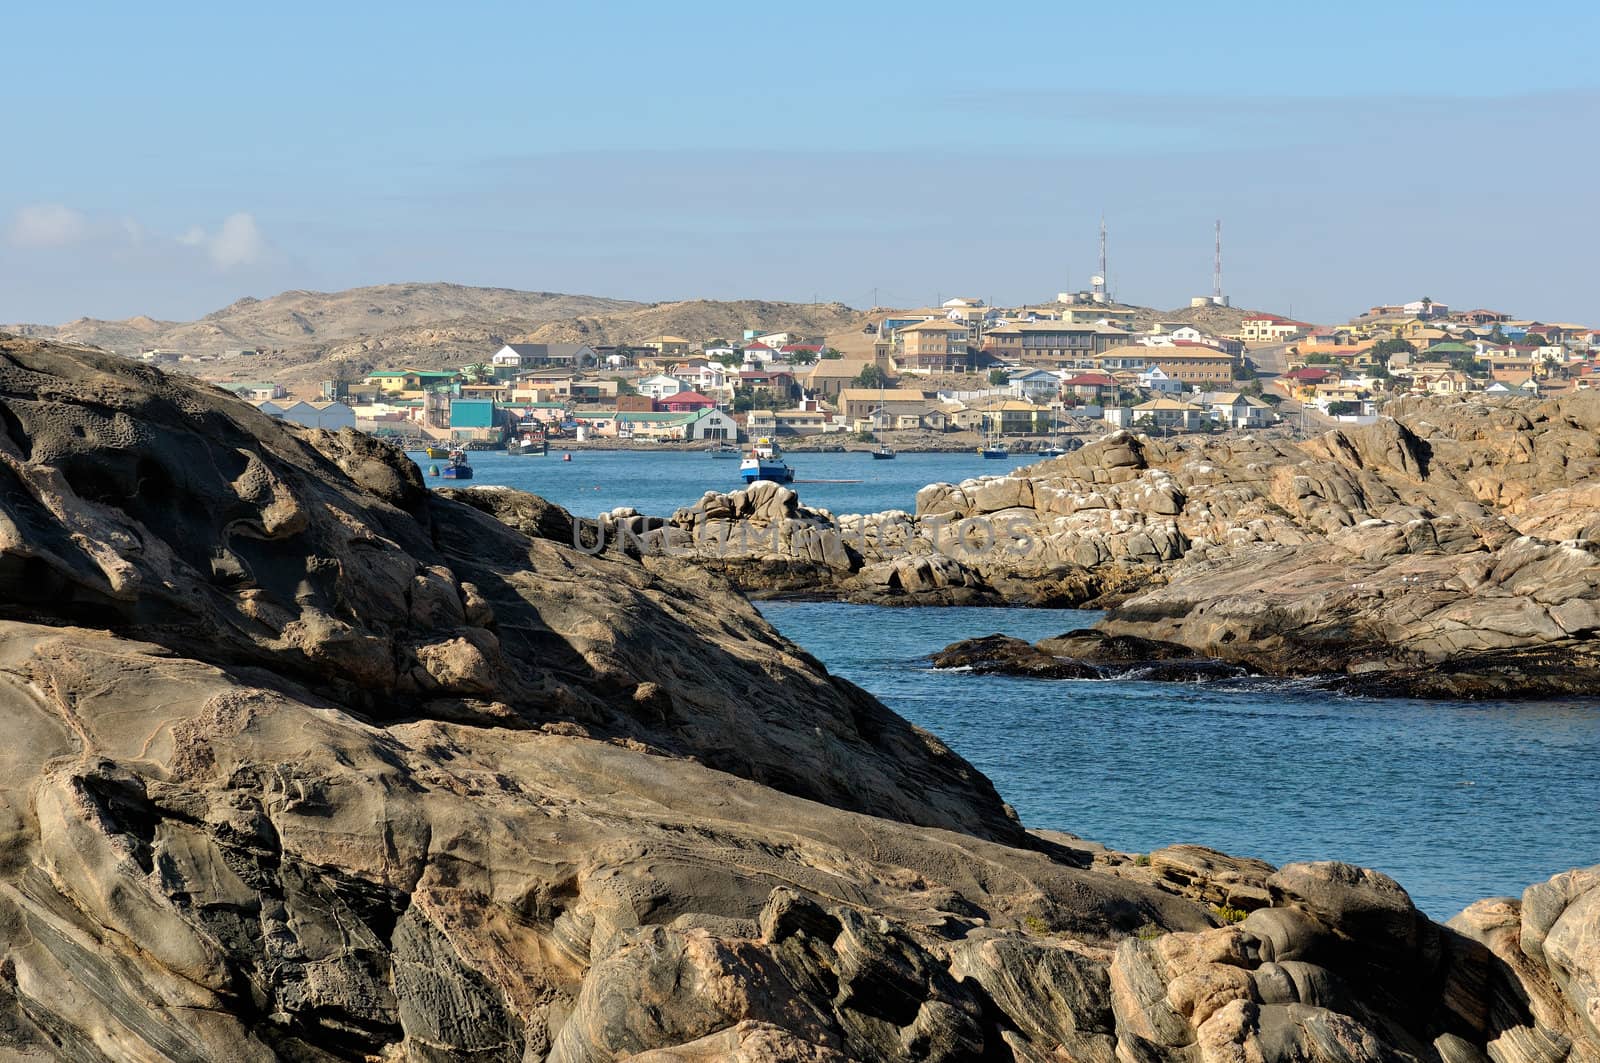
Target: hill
{"type": "Point", "coordinates": [304, 320]}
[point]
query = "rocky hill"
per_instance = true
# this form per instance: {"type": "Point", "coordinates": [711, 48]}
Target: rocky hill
{"type": "Point", "coordinates": [305, 761]}
{"type": "Point", "coordinates": [306, 321]}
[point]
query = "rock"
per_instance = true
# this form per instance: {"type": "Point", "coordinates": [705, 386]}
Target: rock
{"type": "Point", "coordinates": [307, 762]}
{"type": "Point", "coordinates": [1008, 656]}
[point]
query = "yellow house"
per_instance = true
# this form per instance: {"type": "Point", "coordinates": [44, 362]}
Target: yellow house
{"type": "Point", "coordinates": [409, 383]}
{"type": "Point", "coordinates": [666, 346]}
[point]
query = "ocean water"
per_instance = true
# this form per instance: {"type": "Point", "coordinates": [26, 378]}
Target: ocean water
{"type": "Point", "coordinates": [1456, 801]}
{"type": "Point", "coordinates": [658, 482]}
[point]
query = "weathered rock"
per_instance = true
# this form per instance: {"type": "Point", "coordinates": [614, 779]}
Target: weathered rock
{"type": "Point", "coordinates": [305, 762]}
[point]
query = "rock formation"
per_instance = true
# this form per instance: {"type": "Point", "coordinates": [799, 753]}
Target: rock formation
{"type": "Point", "coordinates": [1452, 550]}
{"type": "Point", "coordinates": [307, 762]}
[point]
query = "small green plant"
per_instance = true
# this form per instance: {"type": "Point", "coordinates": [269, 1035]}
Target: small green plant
{"type": "Point", "coordinates": [1035, 925]}
{"type": "Point", "coordinates": [1148, 932]}
{"type": "Point", "coordinates": [1142, 860]}
{"type": "Point", "coordinates": [1227, 915]}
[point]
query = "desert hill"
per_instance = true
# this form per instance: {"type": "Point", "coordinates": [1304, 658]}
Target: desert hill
{"type": "Point", "coordinates": [313, 336]}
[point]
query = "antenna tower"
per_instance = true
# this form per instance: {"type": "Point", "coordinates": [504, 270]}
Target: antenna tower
{"type": "Point", "coordinates": [1216, 268]}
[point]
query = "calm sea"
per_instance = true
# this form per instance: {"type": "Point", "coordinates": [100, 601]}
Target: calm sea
{"type": "Point", "coordinates": [1456, 801]}
{"type": "Point", "coordinates": [597, 481]}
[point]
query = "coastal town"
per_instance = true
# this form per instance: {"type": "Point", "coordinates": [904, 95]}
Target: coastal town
{"type": "Point", "coordinates": [940, 377]}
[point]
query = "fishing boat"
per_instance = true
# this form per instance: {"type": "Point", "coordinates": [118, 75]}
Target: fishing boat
{"type": "Point", "coordinates": [457, 467]}
{"type": "Point", "coordinates": [767, 448]}
{"type": "Point", "coordinates": [529, 445]}
{"type": "Point", "coordinates": [435, 453]}
{"type": "Point", "coordinates": [883, 452]}
{"type": "Point", "coordinates": [723, 449]}
{"type": "Point", "coordinates": [755, 467]}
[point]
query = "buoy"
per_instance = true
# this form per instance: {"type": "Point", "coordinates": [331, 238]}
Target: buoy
{"type": "Point", "coordinates": [566, 457]}
{"type": "Point", "coordinates": [433, 470]}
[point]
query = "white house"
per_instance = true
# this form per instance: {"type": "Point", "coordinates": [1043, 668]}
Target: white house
{"type": "Point", "coordinates": [1156, 381]}
{"type": "Point", "coordinates": [660, 386]}
{"type": "Point", "coordinates": [1036, 384]}
{"type": "Point", "coordinates": [326, 414]}
{"type": "Point", "coordinates": [1237, 410]}
{"type": "Point", "coordinates": [701, 376]}
{"type": "Point", "coordinates": [712, 423]}
{"type": "Point", "coordinates": [507, 357]}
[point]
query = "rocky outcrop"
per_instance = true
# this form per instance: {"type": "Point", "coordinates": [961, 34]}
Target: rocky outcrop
{"type": "Point", "coordinates": [305, 762]}
{"type": "Point", "coordinates": [1451, 550]}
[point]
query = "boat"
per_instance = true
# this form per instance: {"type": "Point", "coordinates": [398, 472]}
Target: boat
{"type": "Point", "coordinates": [1051, 451]}
{"type": "Point", "coordinates": [723, 450]}
{"type": "Point", "coordinates": [457, 468]}
{"type": "Point", "coordinates": [435, 453]}
{"type": "Point", "coordinates": [992, 447]}
{"type": "Point", "coordinates": [755, 467]}
{"type": "Point", "coordinates": [529, 445]}
{"type": "Point", "coordinates": [883, 451]}
{"type": "Point", "coordinates": [767, 448]}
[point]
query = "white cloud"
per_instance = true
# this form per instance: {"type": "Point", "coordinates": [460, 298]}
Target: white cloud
{"type": "Point", "coordinates": [237, 243]}
{"type": "Point", "coordinates": [48, 225]}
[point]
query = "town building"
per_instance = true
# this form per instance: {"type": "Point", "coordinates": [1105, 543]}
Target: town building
{"type": "Point", "coordinates": [932, 346]}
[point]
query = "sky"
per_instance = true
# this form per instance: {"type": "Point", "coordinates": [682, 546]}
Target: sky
{"type": "Point", "coordinates": [168, 159]}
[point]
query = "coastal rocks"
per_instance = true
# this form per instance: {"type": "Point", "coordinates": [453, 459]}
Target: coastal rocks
{"type": "Point", "coordinates": [309, 763]}
{"type": "Point", "coordinates": [1083, 655]}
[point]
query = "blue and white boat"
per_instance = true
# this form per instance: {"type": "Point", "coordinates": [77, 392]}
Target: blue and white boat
{"type": "Point", "coordinates": [756, 468]}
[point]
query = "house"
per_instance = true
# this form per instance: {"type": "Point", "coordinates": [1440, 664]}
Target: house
{"type": "Point", "coordinates": [411, 383]}
{"type": "Point", "coordinates": [758, 353]}
{"type": "Point", "coordinates": [325, 413]}
{"type": "Point", "coordinates": [832, 375]}
{"type": "Point", "coordinates": [1169, 414]}
{"type": "Point", "coordinates": [685, 402]}
{"type": "Point", "coordinates": [1036, 385]}
{"type": "Point", "coordinates": [1450, 382]}
{"type": "Point", "coordinates": [660, 386]}
{"type": "Point", "coordinates": [1010, 417]}
{"type": "Point", "coordinates": [963, 302]}
{"type": "Point", "coordinates": [268, 407]}
{"type": "Point", "coordinates": [256, 391]}
{"type": "Point", "coordinates": [1051, 343]}
{"type": "Point", "coordinates": [1426, 308]}
{"type": "Point", "coordinates": [701, 375]}
{"type": "Point", "coordinates": [1192, 365]}
{"type": "Point", "coordinates": [859, 403]}
{"type": "Point", "coordinates": [1483, 317]}
{"type": "Point", "coordinates": [1090, 386]}
{"type": "Point", "coordinates": [1129, 356]}
{"type": "Point", "coordinates": [932, 346]}
{"type": "Point", "coordinates": [1270, 328]}
{"type": "Point", "coordinates": [514, 357]}
{"type": "Point", "coordinates": [666, 346]}
{"type": "Point", "coordinates": [1156, 380]}
{"type": "Point", "coordinates": [1233, 409]}
{"type": "Point", "coordinates": [1306, 378]}
{"type": "Point", "coordinates": [771, 382]}
{"type": "Point", "coordinates": [800, 352]}
{"type": "Point", "coordinates": [1098, 314]}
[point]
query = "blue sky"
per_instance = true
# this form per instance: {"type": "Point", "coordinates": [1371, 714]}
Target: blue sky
{"type": "Point", "coordinates": [169, 163]}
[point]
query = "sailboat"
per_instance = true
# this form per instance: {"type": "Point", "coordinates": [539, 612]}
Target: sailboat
{"type": "Point", "coordinates": [1053, 449]}
{"type": "Point", "coordinates": [883, 451]}
{"type": "Point", "coordinates": [991, 447]}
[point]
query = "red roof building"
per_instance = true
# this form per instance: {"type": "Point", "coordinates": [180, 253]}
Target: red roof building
{"type": "Point", "coordinates": [685, 402]}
